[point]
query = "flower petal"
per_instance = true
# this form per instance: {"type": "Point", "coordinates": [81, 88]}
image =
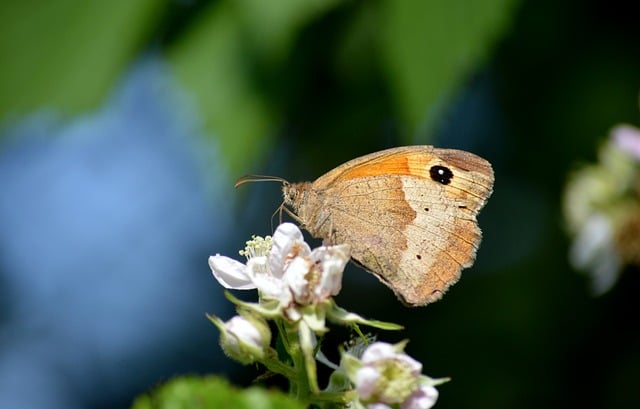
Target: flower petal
{"type": "Point", "coordinates": [230, 273]}
{"type": "Point", "coordinates": [378, 405]}
{"type": "Point", "coordinates": [295, 278]}
{"type": "Point", "coordinates": [288, 242]}
{"type": "Point", "coordinates": [366, 378]}
{"type": "Point", "coordinates": [593, 251]}
{"type": "Point", "coordinates": [269, 286]}
{"type": "Point", "coordinates": [331, 263]}
{"type": "Point", "coordinates": [412, 364]}
{"type": "Point", "coordinates": [627, 139]}
{"type": "Point", "coordinates": [424, 398]}
{"type": "Point", "coordinates": [378, 351]}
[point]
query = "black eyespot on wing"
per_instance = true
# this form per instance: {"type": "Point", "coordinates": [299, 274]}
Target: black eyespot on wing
{"type": "Point", "coordinates": [418, 256]}
{"type": "Point", "coordinates": [441, 174]}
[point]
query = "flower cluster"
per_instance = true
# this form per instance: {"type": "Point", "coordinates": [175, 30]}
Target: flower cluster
{"type": "Point", "coordinates": [602, 210]}
{"type": "Point", "coordinates": [295, 286]}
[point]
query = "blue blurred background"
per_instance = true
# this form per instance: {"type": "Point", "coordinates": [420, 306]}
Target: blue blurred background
{"type": "Point", "coordinates": [123, 126]}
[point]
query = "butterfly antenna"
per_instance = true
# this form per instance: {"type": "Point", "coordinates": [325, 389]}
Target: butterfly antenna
{"type": "Point", "coordinates": [259, 178]}
{"type": "Point", "coordinates": [264, 178]}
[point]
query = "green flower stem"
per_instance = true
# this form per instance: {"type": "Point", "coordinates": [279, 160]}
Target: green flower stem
{"type": "Point", "coordinates": [331, 398]}
{"type": "Point", "coordinates": [308, 354]}
{"type": "Point", "coordinates": [282, 331]}
{"type": "Point", "coordinates": [276, 366]}
{"type": "Point", "coordinates": [297, 341]}
{"type": "Point", "coordinates": [357, 330]}
{"type": "Point", "coordinates": [298, 385]}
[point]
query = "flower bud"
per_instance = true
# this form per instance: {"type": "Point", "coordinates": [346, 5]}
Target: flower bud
{"type": "Point", "coordinates": [244, 338]}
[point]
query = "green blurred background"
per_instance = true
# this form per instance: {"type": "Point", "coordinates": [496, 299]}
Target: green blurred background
{"type": "Point", "coordinates": [294, 88]}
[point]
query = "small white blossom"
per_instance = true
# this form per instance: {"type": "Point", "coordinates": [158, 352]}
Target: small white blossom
{"type": "Point", "coordinates": [287, 271]}
{"type": "Point", "coordinates": [600, 206]}
{"type": "Point", "coordinates": [387, 376]}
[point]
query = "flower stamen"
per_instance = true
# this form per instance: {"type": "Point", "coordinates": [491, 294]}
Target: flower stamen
{"type": "Point", "coordinates": [257, 247]}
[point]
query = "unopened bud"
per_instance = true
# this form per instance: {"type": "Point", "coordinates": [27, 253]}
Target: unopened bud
{"type": "Point", "coordinates": [244, 338]}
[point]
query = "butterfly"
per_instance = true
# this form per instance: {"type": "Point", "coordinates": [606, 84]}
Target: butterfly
{"type": "Point", "coordinates": [408, 214]}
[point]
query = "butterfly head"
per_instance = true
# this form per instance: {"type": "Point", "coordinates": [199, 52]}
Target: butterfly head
{"type": "Point", "coordinates": [293, 193]}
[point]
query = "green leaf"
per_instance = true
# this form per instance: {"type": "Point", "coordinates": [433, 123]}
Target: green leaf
{"type": "Point", "coordinates": [212, 392]}
{"type": "Point", "coordinates": [430, 47]}
{"type": "Point", "coordinates": [342, 316]}
{"type": "Point", "coordinates": [217, 60]}
{"type": "Point", "coordinates": [212, 63]}
{"type": "Point", "coordinates": [67, 53]}
{"type": "Point", "coordinates": [273, 25]}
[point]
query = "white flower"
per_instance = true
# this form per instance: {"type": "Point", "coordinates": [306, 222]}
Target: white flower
{"type": "Point", "coordinates": [600, 204]}
{"type": "Point", "coordinates": [286, 270]}
{"type": "Point", "coordinates": [387, 376]}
